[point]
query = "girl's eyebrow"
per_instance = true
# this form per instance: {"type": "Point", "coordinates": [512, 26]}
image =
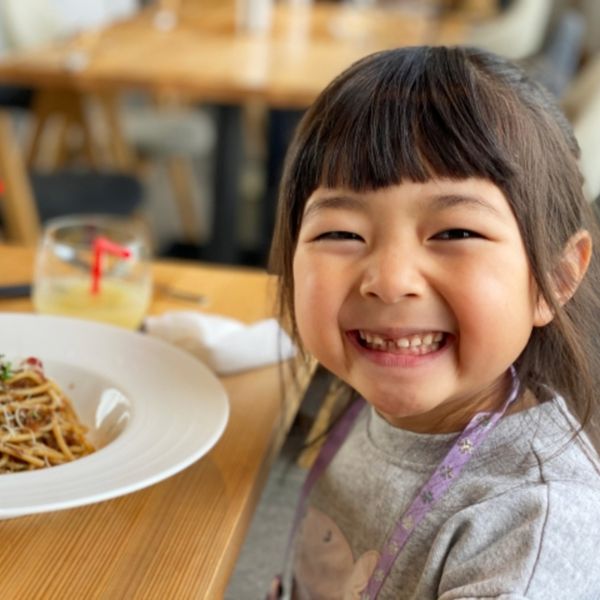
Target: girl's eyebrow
{"type": "Point", "coordinates": [333, 202]}
{"type": "Point", "coordinates": [438, 202]}
{"type": "Point", "coordinates": [448, 201]}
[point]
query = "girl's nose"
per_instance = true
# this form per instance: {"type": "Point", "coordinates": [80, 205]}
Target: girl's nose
{"type": "Point", "coordinates": [392, 275]}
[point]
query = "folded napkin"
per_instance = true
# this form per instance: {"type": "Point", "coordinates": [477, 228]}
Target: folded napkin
{"type": "Point", "coordinates": [224, 344]}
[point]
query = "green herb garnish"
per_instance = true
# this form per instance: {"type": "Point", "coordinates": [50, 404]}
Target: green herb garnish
{"type": "Point", "coordinates": [6, 370]}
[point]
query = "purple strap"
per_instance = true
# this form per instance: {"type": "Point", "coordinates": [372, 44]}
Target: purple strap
{"type": "Point", "coordinates": [477, 430]}
{"type": "Point", "coordinates": [446, 473]}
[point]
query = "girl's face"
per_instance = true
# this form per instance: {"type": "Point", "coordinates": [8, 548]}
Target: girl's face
{"type": "Point", "coordinates": [418, 295]}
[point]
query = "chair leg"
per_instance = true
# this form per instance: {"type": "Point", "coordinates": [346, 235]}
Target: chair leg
{"type": "Point", "coordinates": [179, 173]}
{"type": "Point", "coordinates": [68, 107]}
{"type": "Point", "coordinates": [35, 142]}
{"type": "Point", "coordinates": [123, 157]}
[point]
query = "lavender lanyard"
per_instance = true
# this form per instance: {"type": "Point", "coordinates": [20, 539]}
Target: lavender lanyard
{"type": "Point", "coordinates": [477, 430]}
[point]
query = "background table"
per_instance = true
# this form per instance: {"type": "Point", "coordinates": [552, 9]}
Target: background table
{"type": "Point", "coordinates": [207, 58]}
{"type": "Point", "coordinates": [179, 538]}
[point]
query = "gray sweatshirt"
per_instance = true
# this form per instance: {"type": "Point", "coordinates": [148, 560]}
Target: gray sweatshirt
{"type": "Point", "coordinates": [521, 522]}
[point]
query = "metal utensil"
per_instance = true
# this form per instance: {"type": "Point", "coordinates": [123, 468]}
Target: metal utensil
{"type": "Point", "coordinates": [15, 290]}
{"type": "Point", "coordinates": [23, 290]}
{"type": "Point", "coordinates": [183, 295]}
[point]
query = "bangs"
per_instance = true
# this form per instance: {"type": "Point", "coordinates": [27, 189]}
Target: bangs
{"type": "Point", "coordinates": [406, 115]}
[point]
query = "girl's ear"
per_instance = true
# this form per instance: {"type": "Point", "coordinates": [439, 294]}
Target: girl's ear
{"type": "Point", "coordinates": [567, 275]}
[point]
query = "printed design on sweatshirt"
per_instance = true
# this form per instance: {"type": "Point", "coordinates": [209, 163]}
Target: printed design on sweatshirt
{"type": "Point", "coordinates": [324, 565]}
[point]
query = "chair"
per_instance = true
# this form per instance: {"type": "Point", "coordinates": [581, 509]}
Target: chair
{"type": "Point", "coordinates": [28, 200]}
{"type": "Point", "coordinates": [558, 60]}
{"type": "Point", "coordinates": [517, 32]}
{"type": "Point", "coordinates": [582, 105]}
{"type": "Point", "coordinates": [591, 11]}
{"type": "Point", "coordinates": [172, 135]}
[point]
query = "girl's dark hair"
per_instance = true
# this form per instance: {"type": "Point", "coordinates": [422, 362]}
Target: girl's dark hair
{"type": "Point", "coordinates": [413, 114]}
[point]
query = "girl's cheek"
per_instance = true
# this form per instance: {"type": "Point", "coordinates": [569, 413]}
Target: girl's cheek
{"type": "Point", "coordinates": [307, 297]}
{"type": "Point", "coordinates": [311, 303]}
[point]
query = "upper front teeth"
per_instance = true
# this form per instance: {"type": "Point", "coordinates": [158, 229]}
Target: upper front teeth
{"type": "Point", "coordinates": [412, 341]}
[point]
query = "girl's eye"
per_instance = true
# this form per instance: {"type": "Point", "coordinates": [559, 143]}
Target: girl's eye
{"type": "Point", "coordinates": [457, 234]}
{"type": "Point", "coordinates": [339, 236]}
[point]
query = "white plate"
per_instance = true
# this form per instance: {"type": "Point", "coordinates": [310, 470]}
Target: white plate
{"type": "Point", "coordinates": [152, 410]}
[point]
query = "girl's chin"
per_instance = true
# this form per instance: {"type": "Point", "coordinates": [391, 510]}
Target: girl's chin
{"type": "Point", "coordinates": [392, 410]}
{"type": "Point", "coordinates": [412, 415]}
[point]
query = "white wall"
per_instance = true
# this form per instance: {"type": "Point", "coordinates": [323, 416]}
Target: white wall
{"type": "Point", "coordinates": [26, 23]}
{"type": "Point", "coordinates": [83, 14]}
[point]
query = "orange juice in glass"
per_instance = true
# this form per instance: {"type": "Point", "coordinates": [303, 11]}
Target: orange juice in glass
{"type": "Point", "coordinates": [94, 267]}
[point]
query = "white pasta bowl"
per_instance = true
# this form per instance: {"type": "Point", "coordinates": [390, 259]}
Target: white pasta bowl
{"type": "Point", "coordinates": [151, 409]}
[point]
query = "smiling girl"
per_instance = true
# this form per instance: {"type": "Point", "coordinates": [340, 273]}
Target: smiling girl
{"type": "Point", "coordinates": [435, 253]}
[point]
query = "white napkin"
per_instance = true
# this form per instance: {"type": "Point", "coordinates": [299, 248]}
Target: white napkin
{"type": "Point", "coordinates": [224, 344]}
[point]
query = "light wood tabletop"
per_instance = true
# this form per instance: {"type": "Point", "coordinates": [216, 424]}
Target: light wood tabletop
{"type": "Point", "coordinates": [179, 538]}
{"type": "Point", "coordinates": [205, 55]}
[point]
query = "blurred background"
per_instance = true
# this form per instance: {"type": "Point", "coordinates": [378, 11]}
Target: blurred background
{"type": "Point", "coordinates": [180, 111]}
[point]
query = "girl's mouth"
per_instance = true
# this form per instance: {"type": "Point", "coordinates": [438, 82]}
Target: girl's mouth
{"type": "Point", "coordinates": [415, 344]}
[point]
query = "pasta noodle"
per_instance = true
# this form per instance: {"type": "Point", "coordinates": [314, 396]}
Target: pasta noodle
{"type": "Point", "coordinates": [38, 425]}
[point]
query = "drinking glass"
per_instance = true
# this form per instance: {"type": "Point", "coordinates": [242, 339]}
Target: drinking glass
{"type": "Point", "coordinates": [94, 267]}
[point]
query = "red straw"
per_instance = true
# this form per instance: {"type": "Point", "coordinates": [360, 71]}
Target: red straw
{"type": "Point", "coordinates": [103, 246]}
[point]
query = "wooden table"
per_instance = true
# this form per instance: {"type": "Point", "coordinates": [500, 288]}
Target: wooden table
{"type": "Point", "coordinates": [178, 538]}
{"type": "Point", "coordinates": [206, 57]}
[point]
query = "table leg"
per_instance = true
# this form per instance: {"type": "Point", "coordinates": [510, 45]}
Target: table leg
{"type": "Point", "coordinates": [281, 126]}
{"type": "Point", "coordinates": [21, 220]}
{"type": "Point", "coordinates": [229, 155]}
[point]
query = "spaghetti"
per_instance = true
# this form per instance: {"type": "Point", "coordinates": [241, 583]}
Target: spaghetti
{"type": "Point", "coordinates": [38, 425]}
